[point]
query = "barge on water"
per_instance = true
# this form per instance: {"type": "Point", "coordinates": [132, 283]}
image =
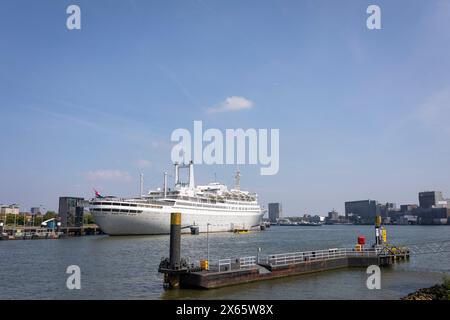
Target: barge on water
{"type": "Point", "coordinates": [225, 272]}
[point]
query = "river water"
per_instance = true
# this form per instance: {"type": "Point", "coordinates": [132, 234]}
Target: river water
{"type": "Point", "coordinates": [126, 267]}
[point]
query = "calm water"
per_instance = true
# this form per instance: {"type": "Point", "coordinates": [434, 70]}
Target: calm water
{"type": "Point", "coordinates": [126, 267]}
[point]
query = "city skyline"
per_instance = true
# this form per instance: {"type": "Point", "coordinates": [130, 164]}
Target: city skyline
{"type": "Point", "coordinates": [362, 114]}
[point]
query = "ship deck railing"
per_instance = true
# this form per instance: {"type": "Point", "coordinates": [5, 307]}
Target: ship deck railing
{"type": "Point", "coordinates": [211, 199]}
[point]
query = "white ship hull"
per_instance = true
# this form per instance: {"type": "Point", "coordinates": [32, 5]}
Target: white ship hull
{"type": "Point", "coordinates": [211, 207]}
{"type": "Point", "coordinates": [157, 221]}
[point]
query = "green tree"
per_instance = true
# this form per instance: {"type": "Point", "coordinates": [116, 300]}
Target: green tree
{"type": "Point", "coordinates": [88, 218]}
{"type": "Point", "coordinates": [38, 220]}
{"type": "Point", "coordinates": [10, 219]}
{"type": "Point", "coordinates": [50, 215]}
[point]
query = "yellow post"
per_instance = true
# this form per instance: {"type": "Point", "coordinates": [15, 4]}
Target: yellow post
{"type": "Point", "coordinates": [378, 221]}
{"type": "Point", "coordinates": [175, 249]}
{"type": "Point", "coordinates": [384, 235]}
{"type": "Point", "coordinates": [175, 240]}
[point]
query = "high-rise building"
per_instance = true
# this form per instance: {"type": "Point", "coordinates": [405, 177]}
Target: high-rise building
{"type": "Point", "coordinates": [71, 211]}
{"type": "Point", "coordinates": [275, 212]}
{"type": "Point", "coordinates": [366, 210]}
{"type": "Point", "coordinates": [431, 199]}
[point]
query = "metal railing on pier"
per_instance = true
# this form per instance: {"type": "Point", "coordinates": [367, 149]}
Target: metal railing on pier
{"type": "Point", "coordinates": [317, 255]}
{"type": "Point", "coordinates": [247, 262]}
{"type": "Point", "coordinates": [224, 264]}
{"type": "Point", "coordinates": [232, 264]}
{"type": "Point", "coordinates": [291, 258]}
{"type": "Point", "coordinates": [438, 247]}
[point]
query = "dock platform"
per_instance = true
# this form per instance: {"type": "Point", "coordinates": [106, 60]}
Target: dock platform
{"type": "Point", "coordinates": [227, 272]}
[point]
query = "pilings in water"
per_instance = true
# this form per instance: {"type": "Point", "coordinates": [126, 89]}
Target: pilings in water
{"type": "Point", "coordinates": [174, 266]}
{"type": "Point", "coordinates": [175, 240]}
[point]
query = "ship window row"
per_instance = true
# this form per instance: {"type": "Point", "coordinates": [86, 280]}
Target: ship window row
{"type": "Point", "coordinates": [218, 207]}
{"type": "Point", "coordinates": [114, 204]}
{"type": "Point", "coordinates": [116, 210]}
{"type": "Point", "coordinates": [126, 204]}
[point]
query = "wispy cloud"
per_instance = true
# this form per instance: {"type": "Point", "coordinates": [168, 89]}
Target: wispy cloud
{"type": "Point", "coordinates": [430, 115]}
{"type": "Point", "coordinates": [435, 111]}
{"type": "Point", "coordinates": [110, 175]}
{"type": "Point", "coordinates": [174, 78]}
{"type": "Point", "coordinates": [68, 117]}
{"type": "Point", "coordinates": [142, 163]}
{"type": "Point", "coordinates": [161, 144]}
{"type": "Point", "coordinates": [233, 103]}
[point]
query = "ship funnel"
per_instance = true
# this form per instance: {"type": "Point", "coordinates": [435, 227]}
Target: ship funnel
{"type": "Point", "coordinates": [191, 175]}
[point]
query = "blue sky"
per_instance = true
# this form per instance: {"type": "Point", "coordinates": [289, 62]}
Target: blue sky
{"type": "Point", "coordinates": [362, 114]}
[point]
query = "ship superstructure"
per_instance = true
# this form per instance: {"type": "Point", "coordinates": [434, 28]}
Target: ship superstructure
{"type": "Point", "coordinates": [211, 207]}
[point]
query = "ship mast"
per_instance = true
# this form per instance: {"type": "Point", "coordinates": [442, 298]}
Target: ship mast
{"type": "Point", "coordinates": [237, 179]}
{"type": "Point", "coordinates": [165, 184]}
{"type": "Point", "coordinates": [177, 174]}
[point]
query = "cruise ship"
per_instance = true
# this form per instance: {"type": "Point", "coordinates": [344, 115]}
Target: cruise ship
{"type": "Point", "coordinates": [210, 208]}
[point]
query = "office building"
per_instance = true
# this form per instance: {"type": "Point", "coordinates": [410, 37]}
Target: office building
{"type": "Point", "coordinates": [387, 210]}
{"type": "Point", "coordinates": [71, 211]}
{"type": "Point", "coordinates": [405, 208]}
{"type": "Point", "coordinates": [431, 199]}
{"type": "Point", "coordinates": [9, 209]}
{"type": "Point", "coordinates": [275, 212]}
{"type": "Point", "coordinates": [362, 210]}
{"type": "Point", "coordinates": [431, 216]}
{"type": "Point", "coordinates": [333, 216]}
